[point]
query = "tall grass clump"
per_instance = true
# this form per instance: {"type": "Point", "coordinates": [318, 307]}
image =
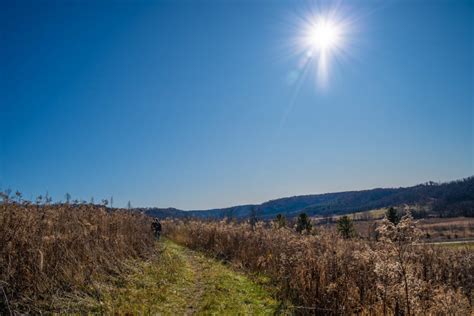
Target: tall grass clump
{"type": "Point", "coordinates": [325, 273]}
{"type": "Point", "coordinates": [53, 251]}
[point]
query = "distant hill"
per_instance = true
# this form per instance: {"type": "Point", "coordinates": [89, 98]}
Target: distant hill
{"type": "Point", "coordinates": [454, 198]}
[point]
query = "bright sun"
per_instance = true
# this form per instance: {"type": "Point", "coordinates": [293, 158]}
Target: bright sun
{"type": "Point", "coordinates": [324, 35]}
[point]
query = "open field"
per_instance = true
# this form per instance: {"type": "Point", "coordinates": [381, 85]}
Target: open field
{"type": "Point", "coordinates": [85, 258]}
{"type": "Point", "coordinates": [458, 228]}
{"type": "Point", "coordinates": [469, 245]}
{"type": "Point", "coordinates": [434, 229]}
{"type": "Point", "coordinates": [237, 157]}
{"type": "Point", "coordinates": [324, 273]}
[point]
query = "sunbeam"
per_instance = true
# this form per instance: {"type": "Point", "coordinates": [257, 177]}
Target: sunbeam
{"type": "Point", "coordinates": [324, 35]}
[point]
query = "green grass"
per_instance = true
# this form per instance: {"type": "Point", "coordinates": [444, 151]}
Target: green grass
{"type": "Point", "coordinates": [181, 281]}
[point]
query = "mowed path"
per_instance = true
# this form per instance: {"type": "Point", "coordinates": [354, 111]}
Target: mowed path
{"type": "Point", "coordinates": [185, 282]}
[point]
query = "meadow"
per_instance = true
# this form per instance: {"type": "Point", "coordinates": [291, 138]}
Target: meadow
{"type": "Point", "coordinates": [52, 255]}
{"type": "Point", "coordinates": [435, 229]}
{"type": "Point", "coordinates": [320, 272]}
{"type": "Point", "coordinates": [80, 258]}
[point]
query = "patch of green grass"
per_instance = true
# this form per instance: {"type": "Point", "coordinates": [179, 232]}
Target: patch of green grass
{"type": "Point", "coordinates": [181, 281]}
{"type": "Point", "coordinates": [152, 287]}
{"type": "Point", "coordinates": [234, 294]}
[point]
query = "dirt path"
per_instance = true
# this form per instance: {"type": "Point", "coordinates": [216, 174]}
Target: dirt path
{"type": "Point", "coordinates": [184, 282]}
{"type": "Point", "coordinates": [198, 289]}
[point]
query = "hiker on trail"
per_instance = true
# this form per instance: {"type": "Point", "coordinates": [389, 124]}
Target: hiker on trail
{"type": "Point", "coordinates": [156, 227]}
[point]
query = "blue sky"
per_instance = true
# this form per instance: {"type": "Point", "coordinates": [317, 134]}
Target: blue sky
{"type": "Point", "coordinates": [189, 104]}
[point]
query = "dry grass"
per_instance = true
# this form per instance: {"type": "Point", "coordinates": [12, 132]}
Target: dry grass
{"type": "Point", "coordinates": [321, 273]}
{"type": "Point", "coordinates": [434, 229]}
{"type": "Point", "coordinates": [448, 228]}
{"type": "Point", "coordinates": [52, 252]}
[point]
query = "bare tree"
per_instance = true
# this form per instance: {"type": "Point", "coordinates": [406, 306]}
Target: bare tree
{"type": "Point", "coordinates": [6, 195]}
{"type": "Point", "coordinates": [47, 198]}
{"type": "Point", "coordinates": [18, 196]}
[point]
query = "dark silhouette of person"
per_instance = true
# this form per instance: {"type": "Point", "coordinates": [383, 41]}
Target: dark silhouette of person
{"type": "Point", "coordinates": [156, 227]}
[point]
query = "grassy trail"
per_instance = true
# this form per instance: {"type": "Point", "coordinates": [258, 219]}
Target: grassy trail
{"type": "Point", "coordinates": [185, 282]}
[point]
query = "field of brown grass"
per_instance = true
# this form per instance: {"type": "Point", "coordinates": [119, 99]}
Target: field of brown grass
{"type": "Point", "coordinates": [323, 273]}
{"type": "Point", "coordinates": [448, 228]}
{"type": "Point", "coordinates": [434, 229]}
{"type": "Point", "coordinates": [52, 253]}
{"type": "Point", "coordinates": [61, 257]}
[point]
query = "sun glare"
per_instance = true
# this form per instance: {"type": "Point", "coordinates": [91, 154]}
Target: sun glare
{"type": "Point", "coordinates": [323, 37]}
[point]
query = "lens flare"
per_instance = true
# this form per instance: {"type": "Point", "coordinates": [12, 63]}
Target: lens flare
{"type": "Point", "coordinates": [322, 37]}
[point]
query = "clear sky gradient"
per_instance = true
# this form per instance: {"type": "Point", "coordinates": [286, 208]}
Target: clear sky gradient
{"type": "Point", "coordinates": [192, 104]}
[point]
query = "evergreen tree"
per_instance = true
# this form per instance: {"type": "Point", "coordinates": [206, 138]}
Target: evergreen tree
{"type": "Point", "coordinates": [345, 227]}
{"type": "Point", "coordinates": [280, 220]}
{"type": "Point", "coordinates": [303, 223]}
{"type": "Point", "coordinates": [392, 215]}
{"type": "Point", "coordinates": [253, 216]}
